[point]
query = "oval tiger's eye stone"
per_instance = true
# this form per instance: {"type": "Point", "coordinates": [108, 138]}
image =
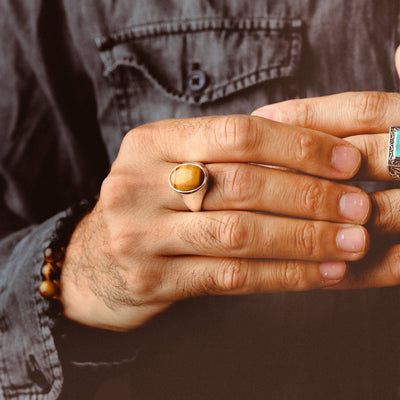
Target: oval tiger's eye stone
{"type": "Point", "coordinates": [187, 177]}
{"type": "Point", "coordinates": [48, 289]}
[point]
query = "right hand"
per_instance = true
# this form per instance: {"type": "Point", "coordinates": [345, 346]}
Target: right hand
{"type": "Point", "coordinates": [140, 249]}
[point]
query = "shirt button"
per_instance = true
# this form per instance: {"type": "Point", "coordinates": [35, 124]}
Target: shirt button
{"type": "Point", "coordinates": [197, 80]}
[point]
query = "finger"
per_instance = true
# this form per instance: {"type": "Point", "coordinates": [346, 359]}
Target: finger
{"type": "Point", "coordinates": [240, 138]}
{"type": "Point", "coordinates": [386, 210]}
{"type": "Point", "coordinates": [251, 235]}
{"type": "Point", "coordinates": [340, 114]}
{"type": "Point", "coordinates": [374, 150]}
{"type": "Point", "coordinates": [251, 187]}
{"type": "Point", "coordinates": [380, 269]}
{"type": "Point", "coordinates": [197, 276]}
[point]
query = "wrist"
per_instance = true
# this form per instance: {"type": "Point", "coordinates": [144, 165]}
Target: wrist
{"type": "Point", "coordinates": [54, 255]}
{"type": "Point", "coordinates": [77, 298]}
{"type": "Point", "coordinates": [81, 283]}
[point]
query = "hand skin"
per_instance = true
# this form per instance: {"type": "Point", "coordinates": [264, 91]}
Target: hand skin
{"type": "Point", "coordinates": [363, 119]}
{"type": "Point", "coordinates": [140, 249]}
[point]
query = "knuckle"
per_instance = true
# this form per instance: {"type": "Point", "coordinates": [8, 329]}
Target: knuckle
{"type": "Point", "coordinates": [113, 192]}
{"type": "Point", "coordinates": [293, 276]}
{"type": "Point", "coordinates": [122, 242]}
{"type": "Point", "coordinates": [120, 190]}
{"type": "Point", "coordinates": [306, 239]}
{"type": "Point", "coordinates": [369, 108]}
{"type": "Point", "coordinates": [115, 196]}
{"type": "Point", "coordinates": [239, 184]}
{"type": "Point", "coordinates": [302, 147]}
{"type": "Point", "coordinates": [237, 134]}
{"type": "Point", "coordinates": [232, 275]}
{"type": "Point", "coordinates": [372, 148]}
{"type": "Point", "coordinates": [136, 138]}
{"type": "Point", "coordinates": [233, 232]}
{"type": "Point", "coordinates": [312, 198]}
{"type": "Point", "coordinates": [302, 114]}
{"type": "Point", "coordinates": [125, 266]}
{"type": "Point", "coordinates": [144, 285]}
{"type": "Point", "coordinates": [155, 138]}
{"type": "Point", "coordinates": [117, 242]}
{"type": "Point", "coordinates": [385, 216]}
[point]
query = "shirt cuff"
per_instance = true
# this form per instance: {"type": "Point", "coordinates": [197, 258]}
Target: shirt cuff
{"type": "Point", "coordinates": [29, 363]}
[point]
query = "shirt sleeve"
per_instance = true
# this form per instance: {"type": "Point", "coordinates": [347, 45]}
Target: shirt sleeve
{"type": "Point", "coordinates": [29, 362]}
{"type": "Point", "coordinates": [51, 156]}
{"type": "Point", "coordinates": [40, 351]}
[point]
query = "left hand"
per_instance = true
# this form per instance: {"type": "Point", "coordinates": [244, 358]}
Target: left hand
{"type": "Point", "coordinates": [364, 119]}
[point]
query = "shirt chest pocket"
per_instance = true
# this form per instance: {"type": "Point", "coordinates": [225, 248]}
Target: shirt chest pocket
{"type": "Point", "coordinates": [200, 67]}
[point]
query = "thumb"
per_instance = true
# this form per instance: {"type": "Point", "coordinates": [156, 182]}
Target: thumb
{"type": "Point", "coordinates": [397, 61]}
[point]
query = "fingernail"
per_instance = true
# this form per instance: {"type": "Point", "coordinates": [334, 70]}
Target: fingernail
{"type": "Point", "coordinates": [268, 112]}
{"type": "Point", "coordinates": [351, 240]}
{"type": "Point", "coordinates": [354, 206]}
{"type": "Point", "coordinates": [333, 270]}
{"type": "Point", "coordinates": [345, 158]}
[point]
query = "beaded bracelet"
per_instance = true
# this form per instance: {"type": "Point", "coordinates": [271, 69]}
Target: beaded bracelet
{"type": "Point", "coordinates": [54, 254]}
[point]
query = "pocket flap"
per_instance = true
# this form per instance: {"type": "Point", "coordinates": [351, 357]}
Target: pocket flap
{"type": "Point", "coordinates": [202, 60]}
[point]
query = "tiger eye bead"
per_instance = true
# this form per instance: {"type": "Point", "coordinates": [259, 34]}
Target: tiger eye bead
{"type": "Point", "coordinates": [186, 178]}
{"type": "Point", "coordinates": [51, 255]}
{"type": "Point", "coordinates": [50, 271]}
{"type": "Point", "coordinates": [47, 270]}
{"type": "Point", "coordinates": [49, 289]}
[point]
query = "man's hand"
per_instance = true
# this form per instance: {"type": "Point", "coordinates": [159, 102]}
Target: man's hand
{"type": "Point", "coordinates": [363, 119]}
{"type": "Point", "coordinates": [140, 249]}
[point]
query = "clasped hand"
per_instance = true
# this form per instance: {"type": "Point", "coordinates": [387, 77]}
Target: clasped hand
{"type": "Point", "coordinates": [140, 249]}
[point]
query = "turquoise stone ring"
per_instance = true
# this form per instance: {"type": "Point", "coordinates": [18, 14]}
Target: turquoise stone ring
{"type": "Point", "coordinates": [393, 161]}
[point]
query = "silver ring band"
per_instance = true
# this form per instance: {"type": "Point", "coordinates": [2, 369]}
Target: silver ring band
{"type": "Point", "coordinates": [393, 160]}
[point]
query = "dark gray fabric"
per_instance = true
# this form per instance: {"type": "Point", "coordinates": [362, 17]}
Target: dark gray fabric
{"type": "Point", "coordinates": [75, 76]}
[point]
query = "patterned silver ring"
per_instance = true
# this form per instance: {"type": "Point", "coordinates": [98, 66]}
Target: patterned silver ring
{"type": "Point", "coordinates": [393, 160]}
